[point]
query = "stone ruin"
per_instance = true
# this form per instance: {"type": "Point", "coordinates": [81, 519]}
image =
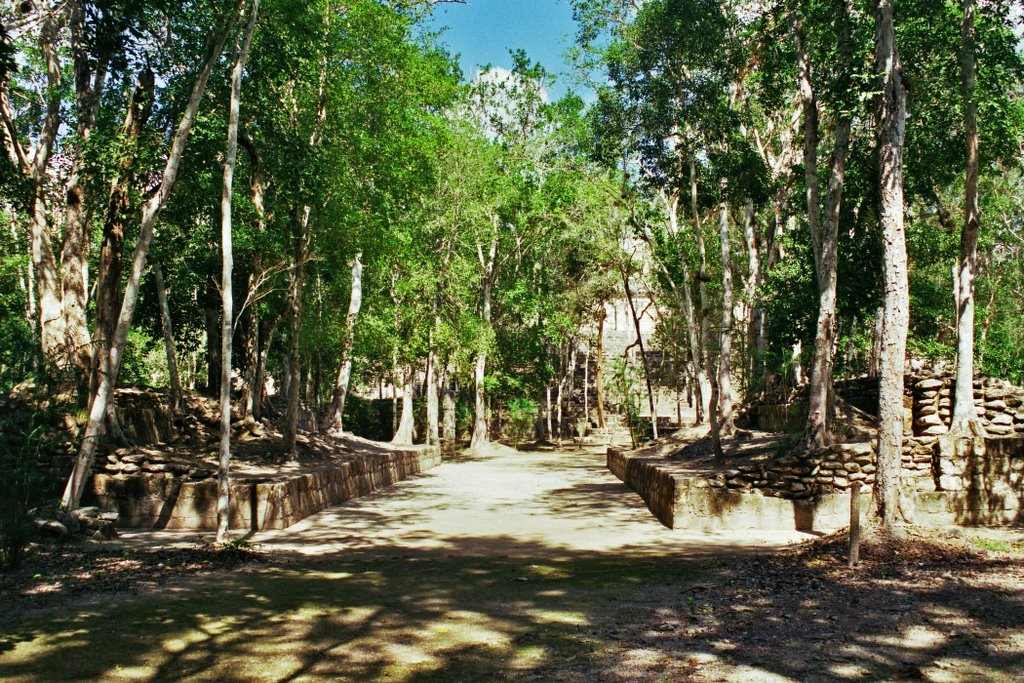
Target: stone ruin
{"type": "Point", "coordinates": [1000, 406]}
{"type": "Point", "coordinates": [967, 480]}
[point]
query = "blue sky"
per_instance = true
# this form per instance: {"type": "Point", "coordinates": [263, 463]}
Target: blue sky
{"type": "Point", "coordinates": [483, 31]}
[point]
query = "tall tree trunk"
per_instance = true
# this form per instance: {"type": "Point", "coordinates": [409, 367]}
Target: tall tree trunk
{"type": "Point", "coordinates": [168, 334]}
{"type": "Point", "coordinates": [295, 297]}
{"type": "Point", "coordinates": [691, 317]}
{"type": "Point", "coordinates": [75, 256]}
{"type": "Point", "coordinates": [334, 421]}
{"type": "Point", "coordinates": [51, 314]}
{"type": "Point", "coordinates": [432, 389]}
{"type": "Point", "coordinates": [824, 237]}
{"type": "Point", "coordinates": [479, 441]}
{"type": "Point", "coordinates": [404, 434]}
{"type": "Point", "coordinates": [548, 413]}
{"type": "Point", "coordinates": [265, 343]}
{"type": "Point", "coordinates": [895, 316]}
{"type": "Point", "coordinates": [566, 380]}
{"type": "Point", "coordinates": [726, 419]}
{"type": "Point", "coordinates": [965, 416]}
{"type": "Point", "coordinates": [643, 355]}
{"type": "Point", "coordinates": [226, 288]}
{"type": "Point", "coordinates": [251, 348]}
{"type": "Point", "coordinates": [86, 454]}
{"type": "Point", "coordinates": [75, 287]}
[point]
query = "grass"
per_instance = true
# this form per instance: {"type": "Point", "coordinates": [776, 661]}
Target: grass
{"type": "Point", "coordinates": [439, 619]}
{"type": "Point", "coordinates": [998, 546]}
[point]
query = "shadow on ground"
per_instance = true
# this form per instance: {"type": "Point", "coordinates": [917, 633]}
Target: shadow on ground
{"type": "Point", "coordinates": [452, 615]}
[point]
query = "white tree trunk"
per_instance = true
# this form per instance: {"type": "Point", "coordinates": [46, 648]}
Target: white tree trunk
{"type": "Point", "coordinates": [226, 289]}
{"type": "Point", "coordinates": [692, 323]}
{"type": "Point", "coordinates": [404, 435]}
{"type": "Point", "coordinates": [335, 420]}
{"type": "Point", "coordinates": [432, 384]}
{"type": "Point", "coordinates": [586, 387]}
{"type": "Point", "coordinates": [448, 423]}
{"type": "Point", "coordinates": [34, 169]}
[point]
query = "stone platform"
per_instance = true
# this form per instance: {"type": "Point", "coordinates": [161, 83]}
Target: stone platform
{"type": "Point", "coordinates": [962, 482]}
{"type": "Point", "coordinates": [166, 500]}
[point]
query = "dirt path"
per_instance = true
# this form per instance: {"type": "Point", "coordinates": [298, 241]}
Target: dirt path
{"type": "Point", "coordinates": [509, 503]}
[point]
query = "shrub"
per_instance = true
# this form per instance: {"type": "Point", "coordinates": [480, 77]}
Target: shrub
{"type": "Point", "coordinates": [522, 415]}
{"type": "Point", "coordinates": [21, 450]}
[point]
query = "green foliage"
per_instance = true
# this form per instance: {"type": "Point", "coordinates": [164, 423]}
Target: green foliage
{"type": "Point", "coordinates": [626, 393]}
{"type": "Point", "coordinates": [23, 447]}
{"type": "Point", "coordinates": [522, 416]}
{"type": "Point", "coordinates": [19, 351]}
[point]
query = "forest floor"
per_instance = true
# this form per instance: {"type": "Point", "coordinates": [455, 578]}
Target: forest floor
{"type": "Point", "coordinates": [532, 566]}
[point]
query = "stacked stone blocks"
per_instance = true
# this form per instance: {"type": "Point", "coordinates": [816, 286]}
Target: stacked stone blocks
{"type": "Point", "coordinates": [149, 497]}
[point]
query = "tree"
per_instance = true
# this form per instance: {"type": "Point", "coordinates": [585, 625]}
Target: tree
{"type": "Point", "coordinates": [824, 228]}
{"type": "Point", "coordinates": [227, 293]}
{"type": "Point", "coordinates": [895, 316]}
{"type": "Point", "coordinates": [83, 463]}
{"type": "Point", "coordinates": [965, 418]}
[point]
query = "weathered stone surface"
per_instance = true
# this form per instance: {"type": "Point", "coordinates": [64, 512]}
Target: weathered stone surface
{"type": "Point", "coordinates": [163, 500]}
{"type": "Point", "coordinates": [936, 430]}
{"type": "Point", "coordinates": [950, 483]}
{"type": "Point", "coordinates": [51, 528]}
{"type": "Point", "coordinates": [927, 420]}
{"type": "Point", "coordinates": [1002, 419]}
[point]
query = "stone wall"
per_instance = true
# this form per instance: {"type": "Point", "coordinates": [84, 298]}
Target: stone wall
{"type": "Point", "coordinates": [151, 496]}
{"type": "Point", "coordinates": [803, 475]}
{"type": "Point", "coordinates": [1000, 405]}
{"type": "Point", "coordinates": [655, 485]}
{"type": "Point", "coordinates": [963, 481]}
